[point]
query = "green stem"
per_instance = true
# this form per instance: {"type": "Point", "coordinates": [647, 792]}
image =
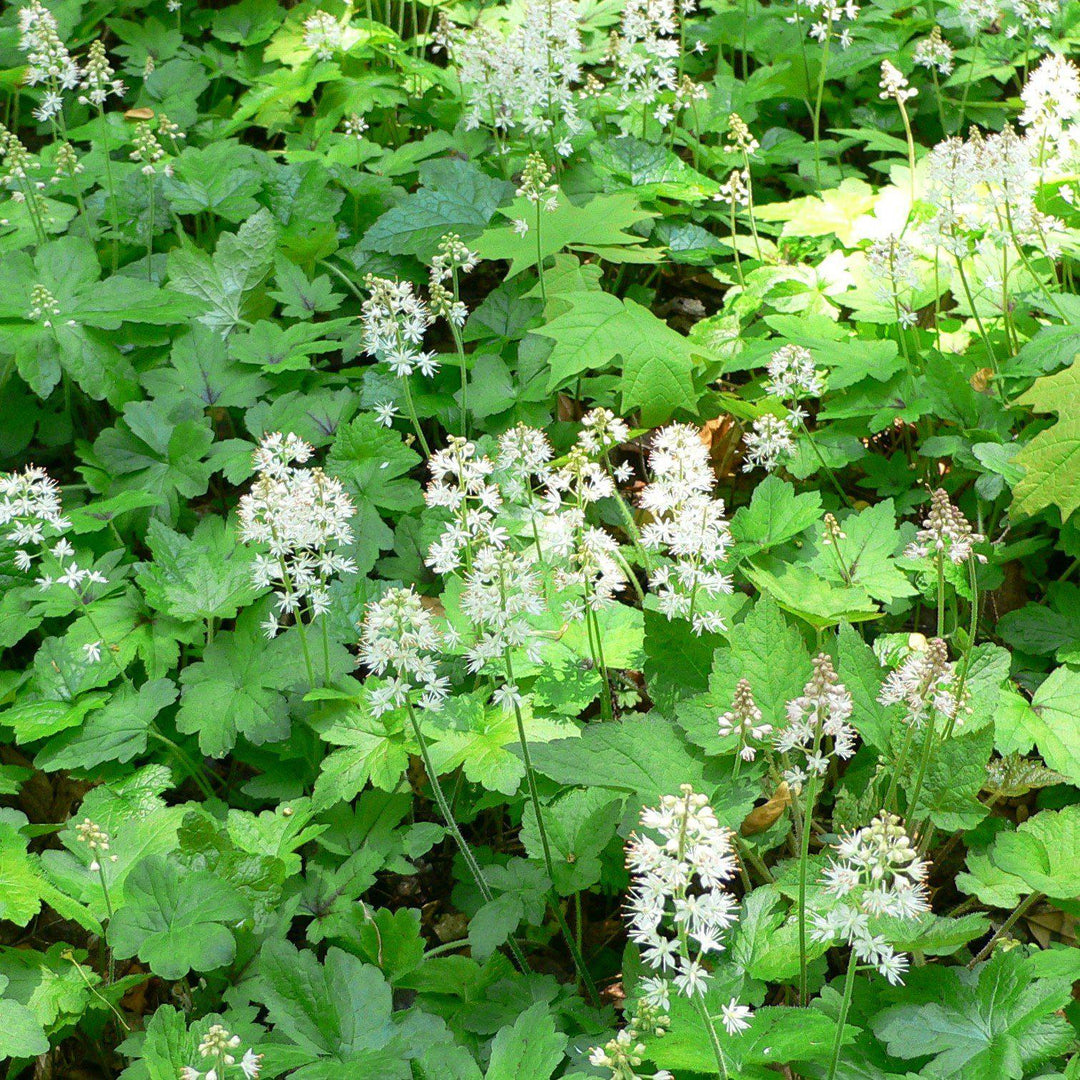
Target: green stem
{"type": "Point", "coordinates": [150, 236]}
{"type": "Point", "coordinates": [460, 346]}
{"type": "Point", "coordinates": [540, 257]}
{"type": "Point", "coordinates": [194, 770]}
{"type": "Point", "coordinates": [940, 595]}
{"type": "Point", "coordinates": [545, 844]}
{"type": "Point", "coordinates": [112, 187]}
{"type": "Point", "coordinates": [845, 1005]}
{"type": "Point", "coordinates": [832, 476]}
{"type": "Point", "coordinates": [452, 827]}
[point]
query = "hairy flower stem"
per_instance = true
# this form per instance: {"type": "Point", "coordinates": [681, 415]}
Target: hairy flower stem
{"type": "Point", "coordinates": [817, 104]}
{"type": "Point", "coordinates": [107, 150]}
{"type": "Point", "coordinates": [804, 857]}
{"type": "Point", "coordinates": [1018, 913]}
{"type": "Point", "coordinates": [411, 407]}
{"type": "Point", "coordinates": [898, 769]}
{"type": "Point", "coordinates": [109, 916]}
{"type": "Point", "coordinates": [911, 159]}
{"type": "Point", "coordinates": [925, 755]}
{"type": "Point", "coordinates": [714, 1039]}
{"type": "Point", "coordinates": [545, 844]}
{"type": "Point", "coordinates": [540, 256]}
{"type": "Point", "coordinates": [69, 954]}
{"type": "Point", "coordinates": [845, 1005]}
{"type": "Point", "coordinates": [627, 515]}
{"type": "Point", "coordinates": [940, 564]}
{"type": "Point", "coordinates": [150, 234]}
{"type": "Point", "coordinates": [455, 331]}
{"type": "Point", "coordinates": [991, 355]}
{"type": "Point", "coordinates": [974, 583]}
{"type": "Point", "coordinates": [452, 827]}
{"type": "Point", "coordinates": [287, 582]}
{"type": "Point", "coordinates": [828, 471]}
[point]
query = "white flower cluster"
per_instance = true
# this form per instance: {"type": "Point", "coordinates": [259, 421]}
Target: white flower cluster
{"type": "Point", "coordinates": [220, 1045]}
{"type": "Point", "coordinates": [301, 516]}
{"type": "Point", "coordinates": [523, 457]}
{"type": "Point", "coordinates": [624, 1054]}
{"type": "Point", "coordinates": [983, 192]}
{"type": "Point", "coordinates": [395, 320]}
{"type": "Point", "coordinates": [894, 273]}
{"type": "Point", "coordinates": [586, 561]}
{"type": "Point", "coordinates": [945, 533]}
{"type": "Point", "coordinates": [744, 719]}
{"type": "Point", "coordinates": [98, 80]}
{"type": "Point", "coordinates": [894, 85]}
{"type": "Point", "coordinates": [934, 53]}
{"type": "Point", "coordinates": [96, 839]}
{"type": "Point", "coordinates": [323, 34]}
{"type": "Point", "coordinates": [679, 907]}
{"type": "Point", "coordinates": [924, 682]}
{"type": "Point", "coordinates": [31, 516]}
{"type": "Point", "coordinates": [876, 872]}
{"type": "Point", "coordinates": [820, 712]}
{"type": "Point", "coordinates": [688, 526]}
{"type": "Point", "coordinates": [735, 190]}
{"type": "Point", "coordinates": [645, 53]}
{"type": "Point", "coordinates": [16, 166]}
{"type": "Point", "coordinates": [523, 79]}
{"type": "Point", "coordinates": [1051, 98]}
{"type": "Point", "coordinates": [536, 185]}
{"type": "Point", "coordinates": [48, 62]}
{"type": "Point", "coordinates": [501, 595]}
{"type": "Point", "coordinates": [791, 378]}
{"type": "Point", "coordinates": [601, 431]}
{"type": "Point", "coordinates": [824, 16]}
{"type": "Point", "coordinates": [461, 483]}
{"type": "Point", "coordinates": [30, 511]}
{"type": "Point", "coordinates": [586, 557]}
{"type": "Point", "coordinates": [148, 151]}
{"type": "Point", "coordinates": [1024, 19]}
{"type": "Point", "coordinates": [452, 258]}
{"type": "Point", "coordinates": [399, 638]}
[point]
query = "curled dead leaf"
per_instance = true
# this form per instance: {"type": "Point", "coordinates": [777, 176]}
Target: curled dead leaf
{"type": "Point", "coordinates": [761, 817]}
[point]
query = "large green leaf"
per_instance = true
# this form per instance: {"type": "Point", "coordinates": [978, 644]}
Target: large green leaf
{"type": "Point", "coordinates": [176, 921]}
{"type": "Point", "coordinates": [1052, 458]}
{"type": "Point", "coordinates": [998, 1020]}
{"type": "Point", "coordinates": [658, 363]}
{"type": "Point", "coordinates": [1043, 852]}
{"type": "Point", "coordinates": [232, 691]}
{"type": "Point", "coordinates": [599, 226]}
{"type": "Point", "coordinates": [455, 197]}
{"type": "Point", "coordinates": [196, 578]}
{"type": "Point", "coordinates": [767, 651]}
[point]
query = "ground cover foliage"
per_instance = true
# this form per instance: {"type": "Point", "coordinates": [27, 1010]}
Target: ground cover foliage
{"type": "Point", "coordinates": [539, 539]}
